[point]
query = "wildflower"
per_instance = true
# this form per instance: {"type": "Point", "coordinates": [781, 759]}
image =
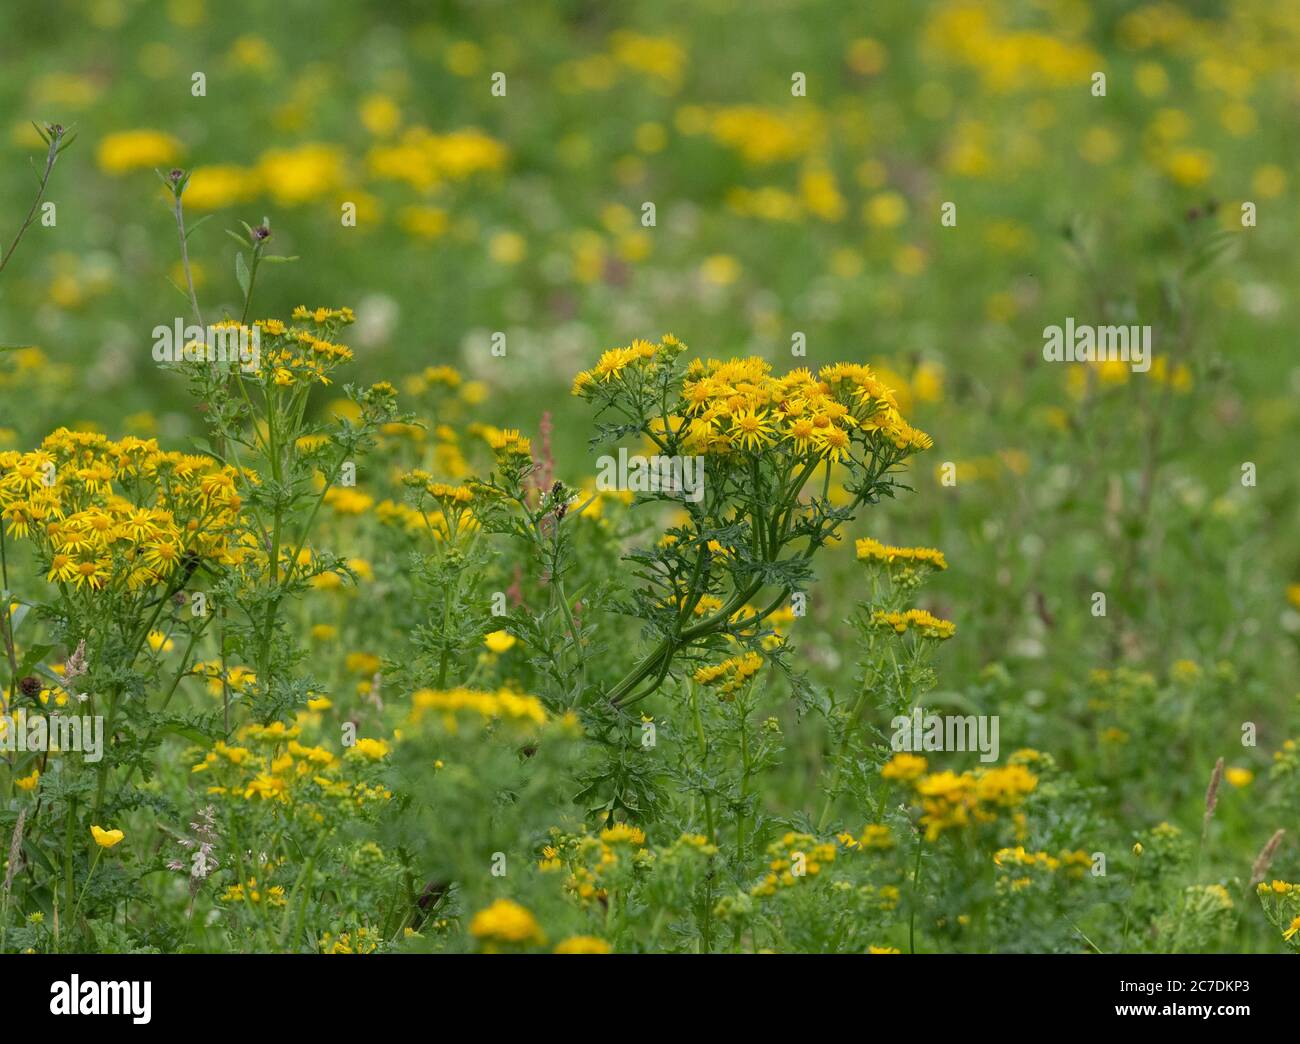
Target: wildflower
{"type": "Point", "coordinates": [925, 624]}
{"type": "Point", "coordinates": [904, 767]}
{"type": "Point", "coordinates": [622, 833]}
{"type": "Point", "coordinates": [751, 429]}
{"type": "Point", "coordinates": [505, 921]}
{"type": "Point", "coordinates": [106, 838]}
{"type": "Point", "coordinates": [582, 944]}
{"type": "Point", "coordinates": [873, 551]}
{"type": "Point", "coordinates": [371, 749]}
{"type": "Point", "coordinates": [126, 151]}
{"type": "Point", "coordinates": [499, 641]}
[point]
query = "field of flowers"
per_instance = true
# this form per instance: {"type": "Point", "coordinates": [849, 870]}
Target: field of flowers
{"type": "Point", "coordinates": [586, 478]}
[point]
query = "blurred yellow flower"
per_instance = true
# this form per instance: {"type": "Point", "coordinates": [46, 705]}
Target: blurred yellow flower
{"type": "Point", "coordinates": [380, 115]}
{"type": "Point", "coordinates": [582, 944]}
{"type": "Point", "coordinates": [131, 150]}
{"type": "Point", "coordinates": [720, 270]}
{"type": "Point", "coordinates": [1189, 167]}
{"type": "Point", "coordinates": [507, 248]}
{"type": "Point", "coordinates": [885, 210]}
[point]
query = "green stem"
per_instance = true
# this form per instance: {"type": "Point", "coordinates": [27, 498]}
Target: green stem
{"type": "Point", "coordinates": [840, 752]}
{"type": "Point", "coordinates": [704, 757]}
{"type": "Point", "coordinates": [51, 157]}
{"type": "Point", "coordinates": [916, 883]}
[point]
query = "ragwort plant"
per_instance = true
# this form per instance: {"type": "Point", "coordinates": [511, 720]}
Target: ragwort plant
{"type": "Point", "coordinates": [148, 551]}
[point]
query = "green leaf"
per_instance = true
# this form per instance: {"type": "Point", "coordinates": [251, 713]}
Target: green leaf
{"type": "Point", "coordinates": [34, 656]}
{"type": "Point", "coordinates": [37, 856]}
{"type": "Point", "coordinates": [198, 224]}
{"type": "Point", "coordinates": [189, 732]}
{"type": "Point", "coordinates": [241, 274]}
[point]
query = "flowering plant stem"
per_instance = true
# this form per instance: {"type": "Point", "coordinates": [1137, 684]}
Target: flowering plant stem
{"type": "Point", "coordinates": [53, 135]}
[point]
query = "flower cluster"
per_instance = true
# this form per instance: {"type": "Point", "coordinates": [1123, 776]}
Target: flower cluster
{"type": "Point", "coordinates": [504, 705]}
{"type": "Point", "coordinates": [1016, 861]}
{"type": "Point", "coordinates": [1281, 902]}
{"type": "Point", "coordinates": [794, 856]}
{"type": "Point", "coordinates": [506, 923]}
{"type": "Point", "coordinates": [874, 836]}
{"type": "Point", "coordinates": [118, 515]}
{"type": "Point", "coordinates": [950, 800]}
{"type": "Point", "coordinates": [739, 406]}
{"type": "Point", "coordinates": [876, 553]}
{"type": "Point", "coordinates": [268, 763]}
{"type": "Point", "coordinates": [731, 675]}
{"type": "Point", "coordinates": [918, 620]}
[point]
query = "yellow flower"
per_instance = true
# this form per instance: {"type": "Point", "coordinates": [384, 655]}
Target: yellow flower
{"type": "Point", "coordinates": [720, 269]}
{"type": "Point", "coordinates": [506, 921]}
{"type": "Point", "coordinates": [499, 641]}
{"type": "Point", "coordinates": [904, 767]}
{"type": "Point", "coordinates": [220, 185]}
{"type": "Point", "coordinates": [582, 944]}
{"type": "Point", "coordinates": [29, 782]}
{"type": "Point", "coordinates": [374, 749]}
{"type": "Point", "coordinates": [1189, 167]}
{"type": "Point", "coordinates": [751, 429]}
{"type": "Point", "coordinates": [136, 149]}
{"type": "Point", "coordinates": [870, 550]}
{"type": "Point", "coordinates": [925, 624]}
{"type": "Point", "coordinates": [1239, 777]}
{"type": "Point", "coordinates": [106, 838]}
{"type": "Point", "coordinates": [622, 833]}
{"type": "Point", "coordinates": [885, 210]}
